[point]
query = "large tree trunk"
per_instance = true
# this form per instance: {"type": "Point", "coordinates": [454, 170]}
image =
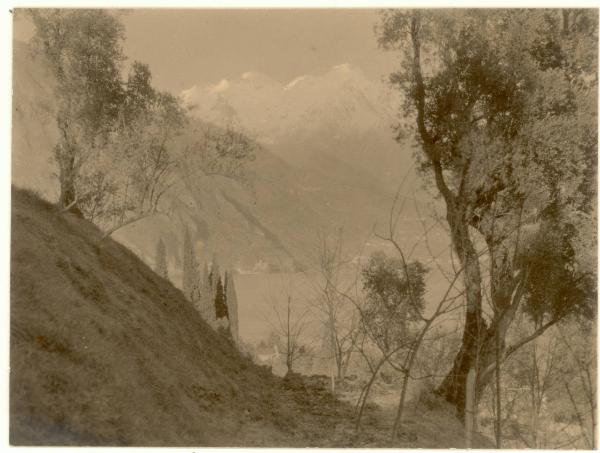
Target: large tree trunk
{"type": "Point", "coordinates": [477, 351]}
{"type": "Point", "coordinates": [475, 333]}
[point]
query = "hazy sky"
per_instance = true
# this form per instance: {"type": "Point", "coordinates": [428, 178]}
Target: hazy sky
{"type": "Point", "coordinates": [187, 47]}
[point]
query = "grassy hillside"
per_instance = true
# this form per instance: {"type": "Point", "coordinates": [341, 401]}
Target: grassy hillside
{"type": "Point", "coordinates": [103, 351]}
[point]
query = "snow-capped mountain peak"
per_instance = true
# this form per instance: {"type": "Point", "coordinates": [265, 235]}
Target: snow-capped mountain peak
{"type": "Point", "coordinates": [270, 110]}
{"type": "Point", "coordinates": [341, 114]}
{"type": "Point", "coordinates": [223, 85]}
{"type": "Point", "coordinates": [294, 82]}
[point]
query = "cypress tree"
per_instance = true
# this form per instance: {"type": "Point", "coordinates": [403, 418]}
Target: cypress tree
{"type": "Point", "coordinates": [215, 272]}
{"type": "Point", "coordinates": [225, 279]}
{"type": "Point", "coordinates": [220, 304]}
{"type": "Point", "coordinates": [160, 262]}
{"type": "Point", "coordinates": [190, 265]}
{"type": "Point", "coordinates": [205, 289]}
{"type": "Point", "coordinates": [232, 311]}
{"type": "Point", "coordinates": [207, 307]}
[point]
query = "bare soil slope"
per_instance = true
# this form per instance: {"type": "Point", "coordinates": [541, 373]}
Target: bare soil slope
{"type": "Point", "coordinates": [105, 352]}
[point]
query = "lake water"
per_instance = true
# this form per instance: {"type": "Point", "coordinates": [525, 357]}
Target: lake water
{"type": "Point", "coordinates": [258, 294]}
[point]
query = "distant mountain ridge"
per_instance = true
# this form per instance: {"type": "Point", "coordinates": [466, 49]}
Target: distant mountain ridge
{"type": "Point", "coordinates": [337, 122]}
{"type": "Point", "coordinates": [271, 109]}
{"type": "Point", "coordinates": [320, 169]}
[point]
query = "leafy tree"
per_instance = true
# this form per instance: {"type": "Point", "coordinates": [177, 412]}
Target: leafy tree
{"type": "Point", "coordinates": [389, 306]}
{"type": "Point", "coordinates": [150, 123]}
{"type": "Point", "coordinates": [83, 49]}
{"type": "Point", "coordinates": [144, 151]}
{"type": "Point", "coordinates": [123, 144]}
{"type": "Point", "coordinates": [504, 111]}
{"type": "Point", "coordinates": [160, 262]}
{"type": "Point", "coordinates": [393, 300]}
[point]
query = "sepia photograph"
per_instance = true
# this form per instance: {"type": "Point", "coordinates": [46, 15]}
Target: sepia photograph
{"type": "Point", "coordinates": [303, 227]}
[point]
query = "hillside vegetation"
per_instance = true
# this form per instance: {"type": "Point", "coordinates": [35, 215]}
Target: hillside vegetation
{"type": "Point", "coordinates": [105, 352]}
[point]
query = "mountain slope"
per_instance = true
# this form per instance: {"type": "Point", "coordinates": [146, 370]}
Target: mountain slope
{"type": "Point", "coordinates": [338, 123]}
{"type": "Point", "coordinates": [300, 185]}
{"type": "Point", "coordinates": [105, 352]}
{"type": "Point", "coordinates": [34, 131]}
